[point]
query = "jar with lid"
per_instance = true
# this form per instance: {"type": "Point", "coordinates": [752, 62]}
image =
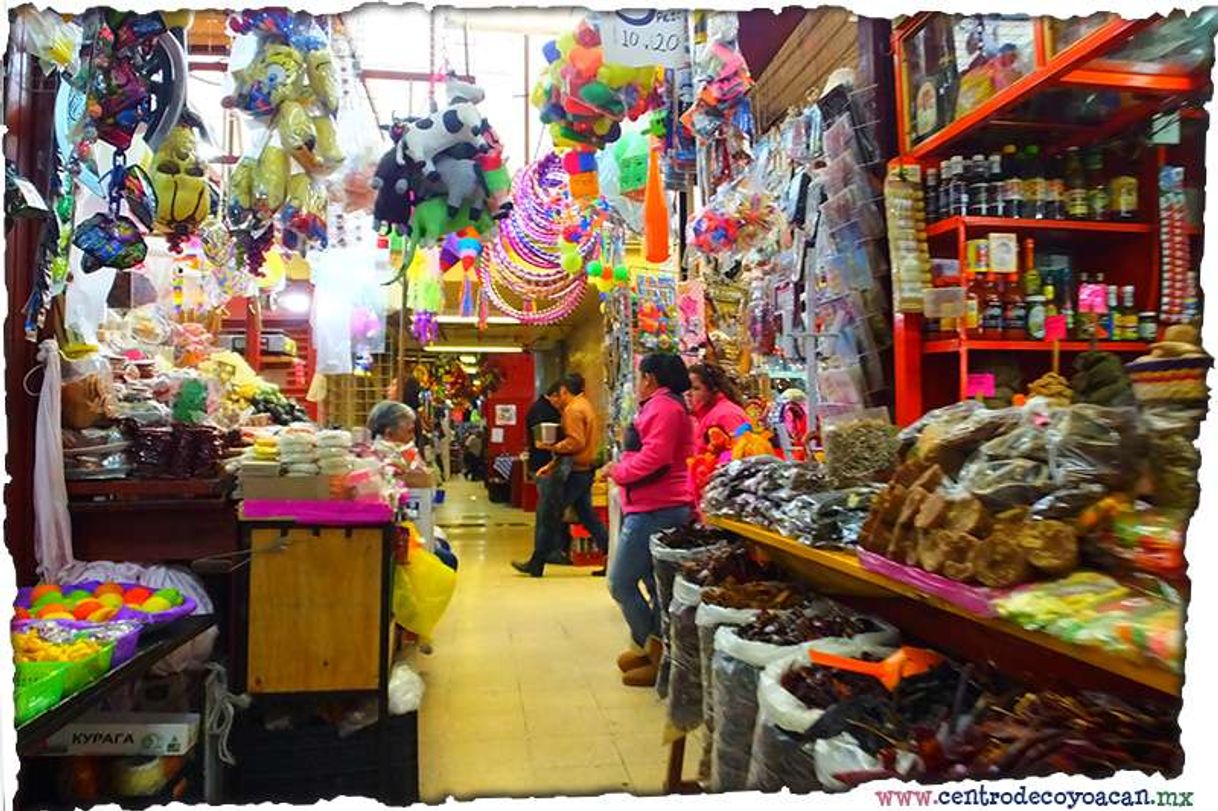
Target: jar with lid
{"type": "Point", "coordinates": [1036, 318]}
{"type": "Point", "coordinates": [1148, 327]}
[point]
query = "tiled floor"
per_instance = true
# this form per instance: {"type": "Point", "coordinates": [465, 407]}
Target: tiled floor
{"type": "Point", "coordinates": [523, 696]}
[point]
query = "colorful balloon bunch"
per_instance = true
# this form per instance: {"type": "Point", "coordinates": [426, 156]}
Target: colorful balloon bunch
{"type": "Point", "coordinates": [735, 220]}
{"type": "Point", "coordinates": [583, 98]}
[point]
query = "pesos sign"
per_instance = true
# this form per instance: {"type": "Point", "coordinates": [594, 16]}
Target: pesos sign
{"type": "Point", "coordinates": [646, 37]}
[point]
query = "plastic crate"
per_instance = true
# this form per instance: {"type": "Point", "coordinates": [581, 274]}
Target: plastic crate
{"type": "Point", "coordinates": [76, 675]}
{"type": "Point", "coordinates": [312, 763]}
{"type": "Point", "coordinates": [37, 691]}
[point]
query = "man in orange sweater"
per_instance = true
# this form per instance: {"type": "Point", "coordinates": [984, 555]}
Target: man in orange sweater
{"type": "Point", "coordinates": [577, 448]}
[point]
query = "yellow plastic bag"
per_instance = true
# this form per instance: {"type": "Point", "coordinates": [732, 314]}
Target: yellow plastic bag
{"type": "Point", "coordinates": [421, 591]}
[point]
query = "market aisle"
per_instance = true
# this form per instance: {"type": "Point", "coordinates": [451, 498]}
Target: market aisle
{"type": "Point", "coordinates": [523, 696]}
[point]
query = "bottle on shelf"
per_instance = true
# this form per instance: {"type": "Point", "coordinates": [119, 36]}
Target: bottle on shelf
{"type": "Point", "coordinates": [1011, 200]}
{"type": "Point", "coordinates": [1014, 313]}
{"type": "Point", "coordinates": [958, 190]}
{"type": "Point", "coordinates": [1097, 189]}
{"type": "Point", "coordinates": [1127, 316]}
{"type": "Point", "coordinates": [1084, 323]}
{"type": "Point", "coordinates": [1106, 330]}
{"type": "Point", "coordinates": [1076, 185]}
{"type": "Point", "coordinates": [1034, 194]}
{"type": "Point", "coordinates": [1055, 189]}
{"type": "Point", "coordinates": [1067, 295]}
{"type": "Point", "coordinates": [1123, 193]}
{"type": "Point", "coordinates": [974, 296]}
{"type": "Point", "coordinates": [994, 176]}
{"type": "Point", "coordinates": [1051, 308]}
{"type": "Point", "coordinates": [979, 187]}
{"type": "Point", "coordinates": [1031, 275]}
{"type": "Point", "coordinates": [945, 178]}
{"type": "Point", "coordinates": [1036, 317]}
{"type": "Point", "coordinates": [992, 315]}
{"type": "Point", "coordinates": [932, 194]}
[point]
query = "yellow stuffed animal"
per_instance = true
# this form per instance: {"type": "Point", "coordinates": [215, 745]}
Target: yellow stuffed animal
{"type": "Point", "coordinates": [184, 197]}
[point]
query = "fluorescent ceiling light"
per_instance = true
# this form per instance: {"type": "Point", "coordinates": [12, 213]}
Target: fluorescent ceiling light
{"type": "Point", "coordinates": [475, 350]}
{"type": "Point", "coordinates": [473, 319]}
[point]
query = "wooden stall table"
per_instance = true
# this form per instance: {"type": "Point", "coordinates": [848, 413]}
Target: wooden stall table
{"type": "Point", "coordinates": [316, 611]}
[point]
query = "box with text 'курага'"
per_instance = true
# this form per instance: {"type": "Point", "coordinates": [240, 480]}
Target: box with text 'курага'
{"type": "Point", "coordinates": [136, 733]}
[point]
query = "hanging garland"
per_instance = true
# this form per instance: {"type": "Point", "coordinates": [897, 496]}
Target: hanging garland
{"type": "Point", "coordinates": [525, 257]}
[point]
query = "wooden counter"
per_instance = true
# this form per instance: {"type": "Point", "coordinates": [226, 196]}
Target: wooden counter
{"type": "Point", "coordinates": [1035, 656]}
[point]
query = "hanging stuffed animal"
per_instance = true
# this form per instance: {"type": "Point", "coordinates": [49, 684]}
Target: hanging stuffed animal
{"type": "Point", "coordinates": [393, 183]}
{"type": "Point", "coordinates": [495, 177]}
{"type": "Point", "coordinates": [459, 123]}
{"type": "Point", "coordinates": [462, 186]}
{"type": "Point", "coordinates": [184, 197]}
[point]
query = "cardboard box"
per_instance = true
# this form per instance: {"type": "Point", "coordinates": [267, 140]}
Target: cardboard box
{"type": "Point", "coordinates": [285, 488]}
{"type": "Point", "coordinates": [136, 733]}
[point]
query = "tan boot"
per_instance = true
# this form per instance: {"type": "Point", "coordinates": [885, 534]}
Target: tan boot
{"type": "Point", "coordinates": [654, 650]}
{"type": "Point", "coordinates": [644, 676]}
{"type": "Point", "coordinates": [631, 659]}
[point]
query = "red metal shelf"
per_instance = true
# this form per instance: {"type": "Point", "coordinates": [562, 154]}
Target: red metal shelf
{"type": "Point", "coordinates": [954, 345]}
{"type": "Point", "coordinates": [952, 224]}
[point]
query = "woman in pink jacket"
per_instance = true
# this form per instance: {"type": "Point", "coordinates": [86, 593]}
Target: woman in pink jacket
{"type": "Point", "coordinates": [653, 475]}
{"type": "Point", "coordinates": [716, 404]}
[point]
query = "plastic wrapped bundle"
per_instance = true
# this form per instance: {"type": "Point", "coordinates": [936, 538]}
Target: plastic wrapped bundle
{"type": "Point", "coordinates": [783, 750]}
{"type": "Point", "coordinates": [669, 549]}
{"type": "Point", "coordinates": [685, 668]}
{"type": "Point", "coordinates": [735, 668]}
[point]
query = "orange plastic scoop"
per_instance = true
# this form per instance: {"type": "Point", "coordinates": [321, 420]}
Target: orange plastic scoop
{"type": "Point", "coordinates": [906, 661]}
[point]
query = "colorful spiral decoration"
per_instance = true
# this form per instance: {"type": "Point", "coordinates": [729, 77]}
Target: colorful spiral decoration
{"type": "Point", "coordinates": [522, 262]}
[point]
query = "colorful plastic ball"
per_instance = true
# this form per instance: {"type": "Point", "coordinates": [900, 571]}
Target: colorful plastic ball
{"type": "Point", "coordinates": [587, 36]}
{"type": "Point", "coordinates": [565, 43]}
{"type": "Point", "coordinates": [572, 262]}
{"type": "Point", "coordinates": [595, 267]}
{"type": "Point", "coordinates": [550, 52]}
{"type": "Point", "coordinates": [621, 273]}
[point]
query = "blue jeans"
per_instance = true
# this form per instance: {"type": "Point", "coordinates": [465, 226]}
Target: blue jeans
{"type": "Point", "coordinates": [547, 527]}
{"type": "Point", "coordinates": [577, 493]}
{"type": "Point", "coordinates": [631, 568]}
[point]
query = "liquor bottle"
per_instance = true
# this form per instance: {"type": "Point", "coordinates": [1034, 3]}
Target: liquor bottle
{"type": "Point", "coordinates": [1031, 276]}
{"type": "Point", "coordinates": [979, 187]}
{"type": "Point", "coordinates": [1083, 321]}
{"type": "Point", "coordinates": [1014, 313]}
{"type": "Point", "coordinates": [1067, 295]}
{"type": "Point", "coordinates": [992, 315]}
{"type": "Point", "coordinates": [1076, 185]}
{"type": "Point", "coordinates": [1055, 189]}
{"type": "Point", "coordinates": [932, 194]}
{"type": "Point", "coordinates": [1097, 190]}
{"type": "Point", "coordinates": [1123, 191]}
{"type": "Point", "coordinates": [1033, 184]}
{"type": "Point", "coordinates": [1051, 308]}
{"type": "Point", "coordinates": [1107, 327]}
{"type": "Point", "coordinates": [973, 298]}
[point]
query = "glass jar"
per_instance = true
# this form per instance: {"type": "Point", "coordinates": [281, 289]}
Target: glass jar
{"type": "Point", "coordinates": [1036, 318]}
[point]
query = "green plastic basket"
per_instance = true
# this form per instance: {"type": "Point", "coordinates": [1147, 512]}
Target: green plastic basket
{"type": "Point", "coordinates": [76, 675]}
{"type": "Point", "coordinates": [37, 692]}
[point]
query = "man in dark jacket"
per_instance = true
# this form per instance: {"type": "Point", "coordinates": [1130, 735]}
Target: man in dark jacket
{"type": "Point", "coordinates": [548, 519]}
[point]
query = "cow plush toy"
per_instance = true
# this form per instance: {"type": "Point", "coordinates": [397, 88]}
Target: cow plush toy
{"type": "Point", "coordinates": [460, 123]}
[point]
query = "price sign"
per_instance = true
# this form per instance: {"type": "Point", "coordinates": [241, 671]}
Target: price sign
{"type": "Point", "coordinates": [646, 37]}
{"type": "Point", "coordinates": [1093, 298]}
{"type": "Point", "coordinates": [1055, 328]}
{"type": "Point", "coordinates": [979, 385]}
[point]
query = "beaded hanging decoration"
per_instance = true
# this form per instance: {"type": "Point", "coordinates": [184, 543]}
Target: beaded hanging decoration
{"type": "Point", "coordinates": [524, 259]}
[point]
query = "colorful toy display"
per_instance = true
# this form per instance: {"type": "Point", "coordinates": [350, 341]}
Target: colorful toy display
{"type": "Point", "coordinates": [525, 259]}
{"type": "Point", "coordinates": [101, 602]}
{"type": "Point", "coordinates": [584, 99]}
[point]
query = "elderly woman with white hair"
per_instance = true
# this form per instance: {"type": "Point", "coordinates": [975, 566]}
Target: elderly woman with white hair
{"type": "Point", "coordinates": [392, 425]}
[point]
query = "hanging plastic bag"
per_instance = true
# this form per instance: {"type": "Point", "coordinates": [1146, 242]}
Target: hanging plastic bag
{"type": "Point", "coordinates": [685, 676]}
{"type": "Point", "coordinates": [405, 690]}
{"type": "Point", "coordinates": [421, 591]}
{"type": "Point", "coordinates": [708, 618]}
{"type": "Point", "coordinates": [52, 524]}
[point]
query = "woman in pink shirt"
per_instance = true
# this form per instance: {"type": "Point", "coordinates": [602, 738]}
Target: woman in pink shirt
{"type": "Point", "coordinates": [653, 475]}
{"type": "Point", "coordinates": [716, 404]}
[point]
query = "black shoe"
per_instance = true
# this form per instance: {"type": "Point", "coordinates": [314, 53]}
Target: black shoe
{"type": "Point", "coordinates": [526, 567]}
{"type": "Point", "coordinates": [599, 573]}
{"type": "Point", "coordinates": [559, 558]}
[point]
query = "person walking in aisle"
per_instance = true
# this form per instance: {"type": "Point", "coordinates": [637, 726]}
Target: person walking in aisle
{"type": "Point", "coordinates": [653, 475]}
{"type": "Point", "coordinates": [473, 454]}
{"type": "Point", "coordinates": [547, 527]}
{"type": "Point", "coordinates": [577, 447]}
